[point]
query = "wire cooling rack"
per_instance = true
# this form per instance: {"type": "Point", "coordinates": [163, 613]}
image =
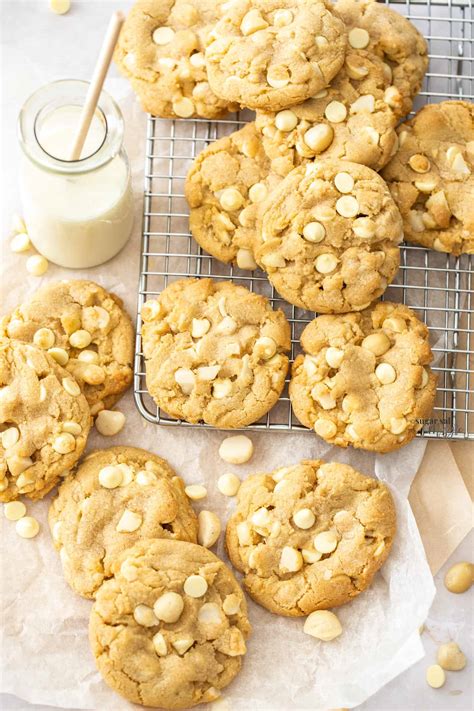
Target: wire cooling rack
{"type": "Point", "coordinates": [438, 286]}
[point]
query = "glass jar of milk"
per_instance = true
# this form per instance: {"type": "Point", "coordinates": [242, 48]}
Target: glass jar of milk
{"type": "Point", "coordinates": [79, 213]}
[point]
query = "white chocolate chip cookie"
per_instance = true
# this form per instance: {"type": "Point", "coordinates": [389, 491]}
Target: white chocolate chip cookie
{"type": "Point", "coordinates": [310, 536]}
{"type": "Point", "coordinates": [349, 120]}
{"type": "Point", "coordinates": [329, 237]}
{"type": "Point", "coordinates": [225, 187]}
{"type": "Point", "coordinates": [161, 51]}
{"type": "Point", "coordinates": [116, 497]}
{"type": "Point", "coordinates": [214, 352]}
{"type": "Point", "coordinates": [44, 421]}
{"type": "Point", "coordinates": [365, 378]}
{"type": "Point", "coordinates": [271, 54]}
{"type": "Point", "coordinates": [86, 330]}
{"type": "Point", "coordinates": [431, 177]}
{"type": "Point", "coordinates": [172, 634]}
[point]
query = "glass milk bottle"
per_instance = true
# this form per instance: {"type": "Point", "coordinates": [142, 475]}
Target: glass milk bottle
{"type": "Point", "coordinates": [78, 213]}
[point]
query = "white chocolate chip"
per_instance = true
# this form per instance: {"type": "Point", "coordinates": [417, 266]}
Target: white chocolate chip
{"type": "Point", "coordinates": [244, 533]}
{"type": "Point", "coordinates": [64, 443]}
{"type": "Point", "coordinates": [324, 213]}
{"type": "Point", "coordinates": [20, 242]}
{"type": "Point", "coordinates": [419, 163]}
{"type": "Point", "coordinates": [209, 614]}
{"type": "Point", "coordinates": [459, 165]}
{"type": "Point", "coordinates": [130, 61]}
{"type": "Point", "coordinates": [208, 372]}
{"type": "Point", "coordinates": [323, 625]}
{"type": "Point", "coordinates": [291, 560]}
{"type": "Point", "coordinates": [109, 422]}
{"type": "Point", "coordinates": [398, 425]}
{"type": "Point", "coordinates": [14, 510]}
{"type": "Point", "coordinates": [386, 373]}
{"type": "Point", "coordinates": [228, 484]}
{"type": "Point", "coordinates": [151, 310]}
{"type": "Point", "coordinates": [344, 182]}
{"type": "Point", "coordinates": [60, 7]}
{"type": "Point", "coordinates": [334, 357]}
{"type": "Point", "coordinates": [358, 38]}
{"type": "Point", "coordinates": [185, 379]}
{"type": "Point", "coordinates": [377, 343]}
{"type": "Point", "coordinates": [197, 60]}
{"type": "Point", "coordinates": [265, 347]}
{"type": "Point", "coordinates": [373, 136]}
{"type": "Point", "coordinates": [326, 263]}
{"type": "Point", "coordinates": [435, 676]}
{"type": "Point", "coordinates": [144, 478]}
{"type": "Point", "coordinates": [325, 542]}
{"type": "Point", "coordinates": [195, 586]}
{"type": "Point", "coordinates": [258, 192]}
{"type": "Point", "coordinates": [282, 18]}
{"type": "Point", "coordinates": [364, 228]}
{"type": "Point", "coordinates": [184, 107]}
{"type": "Point", "coordinates": [159, 644]}
{"type": "Point", "coordinates": [459, 577]}
{"type": "Point", "coordinates": [17, 465]}
{"type": "Point", "coordinates": [236, 449]}
{"type": "Point", "coordinates": [262, 519]}
{"type": "Point", "coordinates": [169, 607]}
{"type": "Point", "coordinates": [365, 103]}
{"type": "Point", "coordinates": [415, 218]}
{"type": "Point", "coordinates": [182, 645]}
{"type": "Point", "coordinates": [245, 259]}
{"type": "Point", "coordinates": [304, 518]}
{"type": "Point", "coordinates": [252, 22]}
{"type": "Point", "coordinates": [24, 481]}
{"type": "Point", "coordinates": [93, 374]}
{"type": "Point", "coordinates": [90, 357]}
{"type": "Point", "coordinates": [335, 112]}
{"type": "Point", "coordinates": [450, 657]}
{"type": "Point", "coordinates": [354, 68]}
{"type": "Point", "coordinates": [319, 137]}
{"type": "Point", "coordinates": [37, 265]}
{"type": "Point", "coordinates": [110, 477]}
{"type": "Point", "coordinates": [195, 492]}
{"type": "Point", "coordinates": [59, 355]}
{"type": "Point", "coordinates": [231, 199]}
{"type": "Point", "coordinates": [163, 35]}
{"type": "Point", "coordinates": [44, 338]}
{"type": "Point", "coordinates": [347, 206]}
{"type": "Point", "coordinates": [144, 616]}
{"type": "Point", "coordinates": [72, 427]}
{"type": "Point", "coordinates": [273, 260]}
{"type": "Point", "coordinates": [231, 604]}
{"type": "Point", "coordinates": [325, 428]}
{"type": "Point", "coordinates": [199, 327]}
{"type": "Point", "coordinates": [80, 338]}
{"type": "Point", "coordinates": [10, 437]}
{"type": "Point", "coordinates": [209, 528]}
{"type": "Point", "coordinates": [310, 556]}
{"type": "Point", "coordinates": [278, 77]}
{"type": "Point", "coordinates": [314, 232]}
{"type": "Point", "coordinates": [129, 521]}
{"type": "Point", "coordinates": [222, 388]}
{"type": "Point", "coordinates": [227, 326]}
{"type": "Point", "coordinates": [27, 527]}
{"type": "Point", "coordinates": [424, 378]}
{"type": "Point", "coordinates": [286, 120]}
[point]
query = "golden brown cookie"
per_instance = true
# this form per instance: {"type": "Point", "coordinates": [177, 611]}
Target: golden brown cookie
{"type": "Point", "coordinates": [169, 629]}
{"type": "Point", "coordinates": [225, 187]}
{"type": "Point", "coordinates": [270, 54]}
{"type": "Point", "coordinates": [161, 51]}
{"type": "Point", "coordinates": [329, 237]}
{"type": "Point", "coordinates": [365, 378]}
{"type": "Point", "coordinates": [431, 177]}
{"type": "Point", "coordinates": [44, 421]}
{"type": "Point", "coordinates": [116, 497]}
{"type": "Point", "coordinates": [350, 120]}
{"type": "Point", "coordinates": [214, 352]}
{"type": "Point", "coordinates": [86, 330]}
{"type": "Point", "coordinates": [310, 536]}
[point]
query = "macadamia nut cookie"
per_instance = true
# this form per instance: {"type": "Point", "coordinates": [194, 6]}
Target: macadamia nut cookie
{"type": "Point", "coordinates": [169, 628]}
{"type": "Point", "coordinates": [44, 421]}
{"type": "Point", "coordinates": [365, 378]}
{"type": "Point", "coordinates": [380, 30]}
{"type": "Point", "coordinates": [116, 497]}
{"type": "Point", "coordinates": [161, 51]}
{"type": "Point", "coordinates": [310, 536]}
{"type": "Point", "coordinates": [271, 54]}
{"type": "Point", "coordinates": [214, 352]}
{"type": "Point", "coordinates": [350, 120]}
{"type": "Point", "coordinates": [86, 330]}
{"type": "Point", "coordinates": [431, 177]}
{"type": "Point", "coordinates": [329, 237]}
{"type": "Point", "coordinates": [225, 187]}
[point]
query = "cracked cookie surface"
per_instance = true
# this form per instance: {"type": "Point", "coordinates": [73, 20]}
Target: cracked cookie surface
{"type": "Point", "coordinates": [86, 329]}
{"type": "Point", "coordinates": [271, 54]}
{"type": "Point", "coordinates": [44, 421]}
{"type": "Point", "coordinates": [225, 187]}
{"type": "Point", "coordinates": [161, 51]}
{"type": "Point", "coordinates": [169, 628]}
{"type": "Point", "coordinates": [116, 497]}
{"type": "Point", "coordinates": [350, 119]}
{"type": "Point", "coordinates": [310, 536]}
{"type": "Point", "coordinates": [329, 236]}
{"type": "Point", "coordinates": [365, 378]}
{"type": "Point", "coordinates": [214, 352]}
{"type": "Point", "coordinates": [379, 29]}
{"type": "Point", "coordinates": [431, 177]}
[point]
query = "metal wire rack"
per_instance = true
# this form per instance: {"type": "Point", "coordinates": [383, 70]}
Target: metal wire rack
{"type": "Point", "coordinates": [438, 286]}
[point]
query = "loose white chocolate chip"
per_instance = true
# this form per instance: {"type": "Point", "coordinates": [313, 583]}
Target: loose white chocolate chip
{"type": "Point", "coordinates": [169, 607]}
{"type": "Point", "coordinates": [129, 521]}
{"type": "Point", "coordinates": [80, 338]}
{"type": "Point", "coordinates": [109, 422]}
{"type": "Point", "coordinates": [222, 389]}
{"type": "Point", "coordinates": [286, 120]}
{"type": "Point", "coordinates": [386, 373]}
{"type": "Point", "coordinates": [237, 449]}
{"type": "Point", "coordinates": [377, 343]}
{"type": "Point", "coordinates": [231, 604]}
{"type": "Point", "coordinates": [319, 137]}
{"type": "Point", "coordinates": [195, 492]}
{"type": "Point", "coordinates": [282, 18]}
{"type": "Point", "coordinates": [314, 232]}
{"type": "Point", "coordinates": [110, 477]}
{"type": "Point", "coordinates": [325, 542]}
{"type": "Point", "coordinates": [72, 427]}
{"type": "Point", "coordinates": [144, 616]}
{"type": "Point", "coordinates": [278, 77]}
{"type": "Point", "coordinates": [228, 484]}
{"type": "Point", "coordinates": [60, 7]}
{"type": "Point", "coordinates": [364, 228]}
{"type": "Point", "coordinates": [291, 560]}
{"type": "Point", "coordinates": [231, 199]}
{"type": "Point", "coordinates": [252, 21]}
{"type": "Point", "coordinates": [325, 428]}
{"type": "Point", "coordinates": [163, 35]}
{"type": "Point", "coordinates": [64, 443]}
{"type": "Point", "coordinates": [209, 528]}
{"type": "Point", "coordinates": [182, 645]}
{"type": "Point", "coordinates": [37, 265]}
{"type": "Point", "coordinates": [59, 355]}
{"type": "Point", "coordinates": [398, 425]}
{"type": "Point", "coordinates": [335, 112]}
{"type": "Point", "coordinates": [435, 676]}
{"type": "Point", "coordinates": [450, 657]}
{"type": "Point", "coordinates": [334, 357]}
{"type": "Point", "coordinates": [358, 38]}
{"type": "Point", "coordinates": [195, 586]}
{"type": "Point", "coordinates": [27, 527]}
{"type": "Point", "coordinates": [159, 644]}
{"type": "Point", "coordinates": [20, 242]}
{"type": "Point", "coordinates": [459, 577]}
{"type": "Point", "coordinates": [10, 437]}
{"type": "Point", "coordinates": [326, 263]}
{"type": "Point", "coordinates": [209, 614]}
{"type": "Point", "coordinates": [184, 107]}
{"type": "Point", "coordinates": [419, 163]}
{"type": "Point", "coordinates": [344, 182]}
{"type": "Point", "coordinates": [245, 259]}
{"type": "Point", "coordinates": [199, 327]}
{"type": "Point", "coordinates": [347, 206]}
{"type": "Point", "coordinates": [185, 379]}
{"type": "Point", "coordinates": [14, 510]}
{"type": "Point", "coordinates": [323, 625]}
{"type": "Point", "coordinates": [304, 518]}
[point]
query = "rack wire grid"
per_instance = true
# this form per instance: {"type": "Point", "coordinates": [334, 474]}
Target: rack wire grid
{"type": "Point", "coordinates": [436, 285]}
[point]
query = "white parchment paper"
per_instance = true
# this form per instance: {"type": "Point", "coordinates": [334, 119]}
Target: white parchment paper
{"type": "Point", "coordinates": [43, 644]}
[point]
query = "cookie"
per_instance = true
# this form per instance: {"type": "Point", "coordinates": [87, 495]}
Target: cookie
{"type": "Point", "coordinates": [169, 628]}
{"type": "Point", "coordinates": [431, 177]}
{"type": "Point", "coordinates": [225, 187]}
{"type": "Point", "coordinates": [161, 51]}
{"type": "Point", "coordinates": [86, 329]}
{"type": "Point", "coordinates": [44, 421]}
{"type": "Point", "coordinates": [116, 497]}
{"type": "Point", "coordinates": [377, 28]}
{"type": "Point", "coordinates": [349, 120]}
{"type": "Point", "coordinates": [214, 352]}
{"type": "Point", "coordinates": [365, 378]}
{"type": "Point", "coordinates": [329, 237]}
{"type": "Point", "coordinates": [271, 54]}
{"type": "Point", "coordinates": [310, 536]}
